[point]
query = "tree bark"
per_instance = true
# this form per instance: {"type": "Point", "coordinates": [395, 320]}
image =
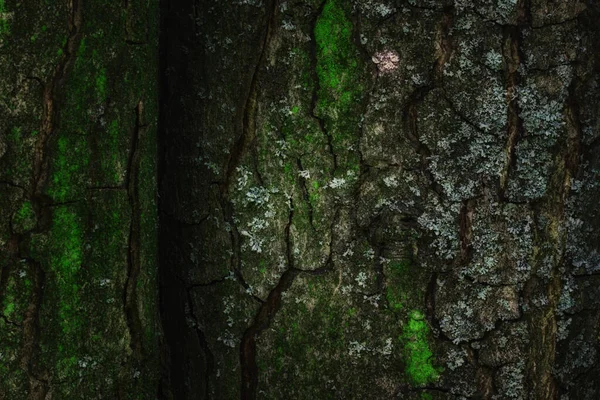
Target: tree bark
{"type": "Point", "coordinates": [78, 221]}
{"type": "Point", "coordinates": [378, 199]}
{"type": "Point", "coordinates": [357, 199]}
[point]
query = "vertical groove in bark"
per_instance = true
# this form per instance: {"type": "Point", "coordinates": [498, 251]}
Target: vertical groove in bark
{"type": "Point", "coordinates": [444, 50]}
{"type": "Point", "coordinates": [51, 96]}
{"type": "Point", "coordinates": [544, 324]}
{"type": "Point", "coordinates": [444, 45]}
{"type": "Point", "coordinates": [574, 133]}
{"type": "Point", "coordinates": [246, 128]}
{"type": "Point", "coordinates": [210, 358]}
{"type": "Point", "coordinates": [236, 244]}
{"type": "Point", "coordinates": [261, 322]}
{"type": "Point", "coordinates": [130, 301]}
{"type": "Point", "coordinates": [306, 196]}
{"type": "Point", "coordinates": [513, 58]}
{"type": "Point", "coordinates": [38, 387]}
{"type": "Point", "coordinates": [465, 232]}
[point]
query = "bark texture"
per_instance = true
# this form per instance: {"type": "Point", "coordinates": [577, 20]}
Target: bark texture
{"type": "Point", "coordinates": [358, 199]}
{"type": "Point", "coordinates": [78, 220]}
{"type": "Point", "coordinates": [380, 199]}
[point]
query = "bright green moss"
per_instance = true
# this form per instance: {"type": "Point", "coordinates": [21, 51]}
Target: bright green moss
{"type": "Point", "coordinates": [418, 356]}
{"type": "Point", "coordinates": [9, 308]}
{"type": "Point", "coordinates": [340, 78]}
{"type": "Point", "coordinates": [337, 66]}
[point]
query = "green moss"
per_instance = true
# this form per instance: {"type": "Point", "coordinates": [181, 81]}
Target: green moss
{"type": "Point", "coordinates": [65, 262]}
{"type": "Point", "coordinates": [336, 65]}
{"type": "Point", "coordinates": [24, 219]}
{"type": "Point", "coordinates": [15, 133]}
{"type": "Point", "coordinates": [80, 51]}
{"type": "Point", "coordinates": [288, 171]}
{"type": "Point", "coordinates": [340, 78]}
{"type": "Point", "coordinates": [417, 353]}
{"type": "Point", "coordinates": [101, 84]}
{"type": "Point", "coordinates": [4, 26]}
{"type": "Point", "coordinates": [9, 308]}
{"type": "Point", "coordinates": [338, 70]}
{"type": "Point", "coordinates": [72, 157]}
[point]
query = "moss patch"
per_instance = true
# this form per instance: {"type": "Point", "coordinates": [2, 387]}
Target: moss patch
{"type": "Point", "coordinates": [4, 26]}
{"type": "Point", "coordinates": [337, 66]}
{"type": "Point", "coordinates": [340, 74]}
{"type": "Point", "coordinates": [417, 353]}
{"type": "Point", "coordinates": [24, 219]}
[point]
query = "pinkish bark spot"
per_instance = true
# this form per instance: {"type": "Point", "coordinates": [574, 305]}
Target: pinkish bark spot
{"type": "Point", "coordinates": [386, 61]}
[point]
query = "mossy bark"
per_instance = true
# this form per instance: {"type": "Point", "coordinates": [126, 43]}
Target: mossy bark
{"type": "Point", "coordinates": [379, 199]}
{"type": "Point", "coordinates": [78, 217]}
{"type": "Point", "coordinates": [358, 199]}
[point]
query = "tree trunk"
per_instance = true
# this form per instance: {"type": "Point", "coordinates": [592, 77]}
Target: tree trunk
{"type": "Point", "coordinates": [377, 199]}
{"type": "Point", "coordinates": [78, 221]}
{"type": "Point", "coordinates": [358, 199]}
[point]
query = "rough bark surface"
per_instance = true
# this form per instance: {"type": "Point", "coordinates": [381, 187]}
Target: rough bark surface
{"type": "Point", "coordinates": [357, 199]}
{"type": "Point", "coordinates": [380, 199]}
{"type": "Point", "coordinates": [78, 221]}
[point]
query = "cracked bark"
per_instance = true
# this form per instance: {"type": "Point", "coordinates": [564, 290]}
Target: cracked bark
{"type": "Point", "coordinates": [247, 124]}
{"type": "Point", "coordinates": [130, 297]}
{"type": "Point", "coordinates": [41, 285]}
{"type": "Point", "coordinates": [39, 387]}
{"type": "Point", "coordinates": [445, 43]}
{"type": "Point", "coordinates": [480, 231]}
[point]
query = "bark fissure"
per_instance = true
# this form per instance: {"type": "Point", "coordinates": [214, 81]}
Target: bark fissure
{"type": "Point", "coordinates": [513, 59]}
{"type": "Point", "coordinates": [130, 300]}
{"type": "Point", "coordinates": [444, 50]}
{"type": "Point", "coordinates": [465, 232]}
{"type": "Point", "coordinates": [210, 361]}
{"type": "Point", "coordinates": [544, 322]}
{"type": "Point", "coordinates": [246, 128]}
{"type": "Point", "coordinates": [51, 97]}
{"type": "Point", "coordinates": [263, 319]}
{"type": "Point", "coordinates": [236, 245]}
